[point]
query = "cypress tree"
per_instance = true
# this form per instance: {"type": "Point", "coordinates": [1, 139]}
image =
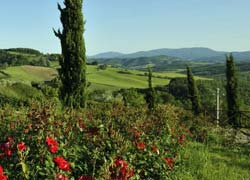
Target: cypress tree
{"type": "Point", "coordinates": [72, 72]}
{"type": "Point", "coordinates": [193, 92]}
{"type": "Point", "coordinates": [232, 92]}
{"type": "Point", "coordinates": [150, 96]}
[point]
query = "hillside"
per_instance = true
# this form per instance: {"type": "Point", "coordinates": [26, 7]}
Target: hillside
{"type": "Point", "coordinates": [111, 78]}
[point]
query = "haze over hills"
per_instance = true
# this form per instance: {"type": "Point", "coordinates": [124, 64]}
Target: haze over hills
{"type": "Point", "coordinates": [195, 54]}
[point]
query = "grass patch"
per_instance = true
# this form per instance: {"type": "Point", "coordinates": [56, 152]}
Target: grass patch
{"type": "Point", "coordinates": [213, 162]}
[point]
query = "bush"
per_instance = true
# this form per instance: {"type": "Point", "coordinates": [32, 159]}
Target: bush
{"type": "Point", "coordinates": [132, 98]}
{"type": "Point", "coordinates": [108, 141]}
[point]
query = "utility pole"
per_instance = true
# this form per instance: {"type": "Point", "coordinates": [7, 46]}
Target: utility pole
{"type": "Point", "coordinates": [218, 107]}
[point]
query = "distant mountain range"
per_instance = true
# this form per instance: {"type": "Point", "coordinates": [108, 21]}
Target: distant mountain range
{"type": "Point", "coordinates": [194, 54]}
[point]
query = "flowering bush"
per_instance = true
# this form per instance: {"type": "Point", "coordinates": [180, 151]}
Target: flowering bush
{"type": "Point", "coordinates": [105, 142]}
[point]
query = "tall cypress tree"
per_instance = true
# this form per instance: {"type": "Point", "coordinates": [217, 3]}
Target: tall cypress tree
{"type": "Point", "coordinates": [193, 92]}
{"type": "Point", "coordinates": [150, 96]}
{"type": "Point", "coordinates": [73, 61]}
{"type": "Point", "coordinates": [232, 92]}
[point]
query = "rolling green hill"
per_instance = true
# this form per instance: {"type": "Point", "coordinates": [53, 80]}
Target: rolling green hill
{"type": "Point", "coordinates": [110, 78]}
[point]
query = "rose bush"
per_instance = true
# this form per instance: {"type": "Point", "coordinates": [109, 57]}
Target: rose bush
{"type": "Point", "coordinates": [106, 141]}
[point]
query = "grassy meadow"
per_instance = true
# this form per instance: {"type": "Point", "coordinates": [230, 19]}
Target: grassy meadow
{"type": "Point", "coordinates": [215, 162]}
{"type": "Point", "coordinates": [110, 78]}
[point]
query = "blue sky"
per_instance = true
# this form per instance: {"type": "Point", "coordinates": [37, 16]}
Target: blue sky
{"type": "Point", "coordinates": [131, 25]}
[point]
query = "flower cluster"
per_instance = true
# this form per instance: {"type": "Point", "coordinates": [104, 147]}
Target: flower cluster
{"type": "Point", "coordinates": [62, 163]}
{"type": "Point", "coordinates": [2, 176]}
{"type": "Point", "coordinates": [120, 170]}
{"type": "Point", "coordinates": [52, 144]}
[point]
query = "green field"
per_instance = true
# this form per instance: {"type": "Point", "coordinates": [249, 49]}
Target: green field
{"type": "Point", "coordinates": [110, 78]}
{"type": "Point", "coordinates": [26, 74]}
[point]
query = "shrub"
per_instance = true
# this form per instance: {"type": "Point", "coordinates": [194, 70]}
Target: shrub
{"type": "Point", "coordinates": [104, 142]}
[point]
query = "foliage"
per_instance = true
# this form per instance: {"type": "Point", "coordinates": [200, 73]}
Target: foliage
{"type": "Point", "coordinates": [193, 92]}
{"type": "Point", "coordinates": [232, 92]}
{"type": "Point", "coordinates": [23, 56]}
{"type": "Point", "coordinates": [131, 97]}
{"type": "Point", "coordinates": [150, 94]}
{"type": "Point", "coordinates": [106, 140]}
{"type": "Point", "coordinates": [102, 67]}
{"type": "Point", "coordinates": [72, 72]}
{"type": "Point", "coordinates": [25, 51]}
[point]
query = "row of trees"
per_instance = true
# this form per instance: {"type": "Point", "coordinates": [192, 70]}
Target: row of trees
{"type": "Point", "coordinates": [233, 107]}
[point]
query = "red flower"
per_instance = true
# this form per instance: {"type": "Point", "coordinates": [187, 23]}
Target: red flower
{"type": "Point", "coordinates": [85, 178]}
{"type": "Point", "coordinates": [1, 170]}
{"type": "Point", "coordinates": [119, 162]}
{"type": "Point", "coordinates": [120, 171]}
{"type": "Point", "coordinates": [21, 146]}
{"type": "Point", "coordinates": [62, 163]}
{"type": "Point", "coordinates": [52, 144]}
{"type": "Point", "coordinates": [7, 152]}
{"type": "Point", "coordinates": [140, 145]}
{"type": "Point", "coordinates": [170, 163]}
{"type": "Point", "coordinates": [61, 177]}
{"type": "Point", "coordinates": [2, 176]}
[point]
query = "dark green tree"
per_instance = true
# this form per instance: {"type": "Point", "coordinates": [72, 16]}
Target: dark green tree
{"type": "Point", "coordinates": [193, 92]}
{"type": "Point", "coordinates": [232, 92]}
{"type": "Point", "coordinates": [72, 72]}
{"type": "Point", "coordinates": [150, 95]}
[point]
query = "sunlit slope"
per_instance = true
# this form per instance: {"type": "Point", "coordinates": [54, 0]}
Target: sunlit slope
{"type": "Point", "coordinates": [110, 78]}
{"type": "Point", "coordinates": [30, 73]}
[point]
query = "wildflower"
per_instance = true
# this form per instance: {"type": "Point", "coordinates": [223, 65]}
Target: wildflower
{"type": "Point", "coordinates": [140, 145]}
{"type": "Point", "coordinates": [21, 146]}
{"type": "Point", "coordinates": [62, 163]}
{"type": "Point", "coordinates": [52, 144]}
